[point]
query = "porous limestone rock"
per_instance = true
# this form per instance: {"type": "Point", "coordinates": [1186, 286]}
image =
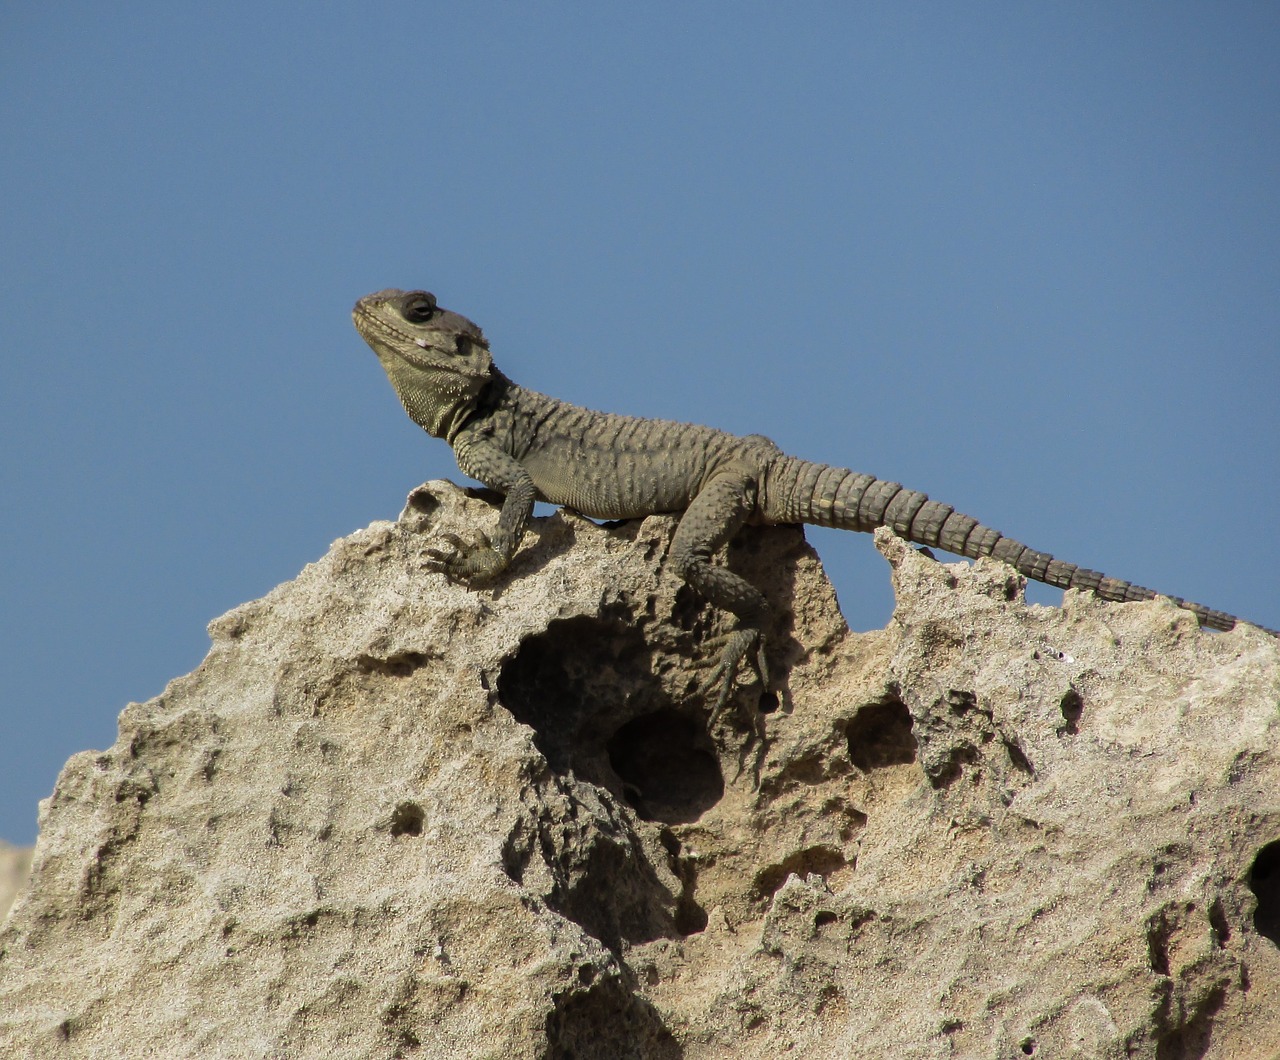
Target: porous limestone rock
{"type": "Point", "coordinates": [15, 862]}
{"type": "Point", "coordinates": [389, 816]}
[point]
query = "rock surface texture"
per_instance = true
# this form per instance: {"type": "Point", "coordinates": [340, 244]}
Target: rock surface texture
{"type": "Point", "coordinates": [15, 862]}
{"type": "Point", "coordinates": [392, 817]}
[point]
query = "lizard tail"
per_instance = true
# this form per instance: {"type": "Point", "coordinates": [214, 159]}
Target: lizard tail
{"type": "Point", "coordinates": [799, 491]}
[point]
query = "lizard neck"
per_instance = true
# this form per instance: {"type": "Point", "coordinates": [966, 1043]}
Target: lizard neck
{"type": "Point", "coordinates": [439, 401]}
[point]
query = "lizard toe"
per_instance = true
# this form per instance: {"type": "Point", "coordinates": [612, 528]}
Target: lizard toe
{"type": "Point", "coordinates": [469, 561]}
{"type": "Point", "coordinates": [738, 646]}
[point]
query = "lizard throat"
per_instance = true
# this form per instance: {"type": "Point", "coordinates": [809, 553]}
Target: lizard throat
{"type": "Point", "coordinates": [439, 402]}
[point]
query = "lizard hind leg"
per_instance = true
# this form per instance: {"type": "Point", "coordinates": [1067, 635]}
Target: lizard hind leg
{"type": "Point", "coordinates": [711, 519]}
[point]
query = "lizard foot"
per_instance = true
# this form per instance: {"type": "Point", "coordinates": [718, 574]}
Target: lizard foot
{"type": "Point", "coordinates": [473, 562]}
{"type": "Point", "coordinates": [739, 644]}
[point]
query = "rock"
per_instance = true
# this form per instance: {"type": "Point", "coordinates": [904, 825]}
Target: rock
{"type": "Point", "coordinates": [15, 863]}
{"type": "Point", "coordinates": [391, 817]}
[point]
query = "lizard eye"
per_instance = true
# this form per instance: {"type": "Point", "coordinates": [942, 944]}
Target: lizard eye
{"type": "Point", "coordinates": [419, 307]}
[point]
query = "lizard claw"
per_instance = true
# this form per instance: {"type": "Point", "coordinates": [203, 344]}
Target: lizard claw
{"type": "Point", "coordinates": [446, 560]}
{"type": "Point", "coordinates": [739, 644]}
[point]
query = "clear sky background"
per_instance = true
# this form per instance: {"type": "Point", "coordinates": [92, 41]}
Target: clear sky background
{"type": "Point", "coordinates": [1024, 257]}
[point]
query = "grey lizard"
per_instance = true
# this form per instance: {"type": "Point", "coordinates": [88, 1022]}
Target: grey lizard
{"type": "Point", "coordinates": [530, 447]}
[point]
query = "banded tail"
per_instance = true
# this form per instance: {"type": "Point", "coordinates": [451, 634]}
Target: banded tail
{"type": "Point", "coordinates": [799, 491]}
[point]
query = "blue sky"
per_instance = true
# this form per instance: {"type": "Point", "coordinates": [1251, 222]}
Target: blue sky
{"type": "Point", "coordinates": [1024, 257]}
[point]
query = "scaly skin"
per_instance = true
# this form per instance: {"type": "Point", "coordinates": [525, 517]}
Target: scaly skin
{"type": "Point", "coordinates": [531, 447]}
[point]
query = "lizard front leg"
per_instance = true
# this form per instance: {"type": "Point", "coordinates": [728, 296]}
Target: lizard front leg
{"type": "Point", "coordinates": [712, 518]}
{"type": "Point", "coordinates": [485, 558]}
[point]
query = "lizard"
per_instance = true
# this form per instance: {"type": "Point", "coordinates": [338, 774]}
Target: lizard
{"type": "Point", "coordinates": [530, 447]}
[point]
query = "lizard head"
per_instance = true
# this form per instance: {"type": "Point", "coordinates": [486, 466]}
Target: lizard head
{"type": "Point", "coordinates": [437, 361]}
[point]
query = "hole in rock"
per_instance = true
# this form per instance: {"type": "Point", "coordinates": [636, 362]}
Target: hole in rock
{"type": "Point", "coordinates": [668, 766]}
{"type": "Point", "coordinates": [879, 735]}
{"type": "Point", "coordinates": [690, 918]}
{"type": "Point", "coordinates": [1072, 706]}
{"type": "Point", "coordinates": [823, 860]}
{"type": "Point", "coordinates": [400, 664]}
{"type": "Point", "coordinates": [1018, 758]}
{"type": "Point", "coordinates": [604, 1021]}
{"type": "Point", "coordinates": [950, 768]}
{"type": "Point", "coordinates": [1158, 934]}
{"type": "Point", "coordinates": [423, 501]}
{"type": "Point", "coordinates": [600, 717]}
{"type": "Point", "coordinates": [1264, 881]}
{"type": "Point", "coordinates": [407, 819]}
{"type": "Point", "coordinates": [1218, 921]}
{"type": "Point", "coordinates": [575, 682]}
{"type": "Point", "coordinates": [586, 687]}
